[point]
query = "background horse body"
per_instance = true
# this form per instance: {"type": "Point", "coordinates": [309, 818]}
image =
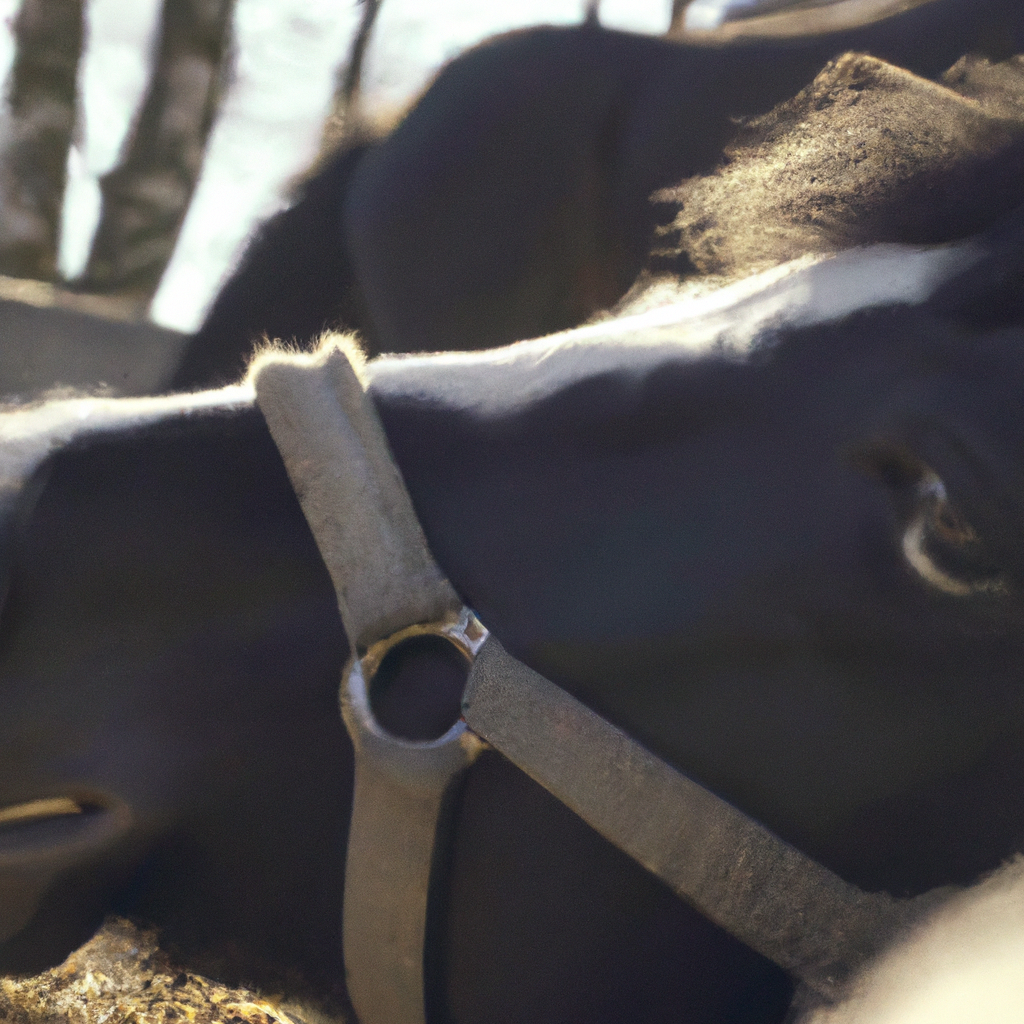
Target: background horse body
{"type": "Point", "coordinates": [790, 565]}
{"type": "Point", "coordinates": [514, 199]}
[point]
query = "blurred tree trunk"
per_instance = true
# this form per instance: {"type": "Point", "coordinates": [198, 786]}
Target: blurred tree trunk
{"type": "Point", "coordinates": [344, 125]}
{"type": "Point", "coordinates": [36, 134]}
{"type": "Point", "coordinates": [146, 196]}
{"type": "Point", "coordinates": [675, 23]}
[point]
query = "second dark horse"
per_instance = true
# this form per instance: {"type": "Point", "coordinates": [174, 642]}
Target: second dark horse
{"type": "Point", "coordinates": [514, 199]}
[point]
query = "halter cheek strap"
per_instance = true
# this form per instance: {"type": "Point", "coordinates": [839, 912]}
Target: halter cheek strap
{"type": "Point", "coordinates": [731, 869]}
{"type": "Point", "coordinates": [353, 497]}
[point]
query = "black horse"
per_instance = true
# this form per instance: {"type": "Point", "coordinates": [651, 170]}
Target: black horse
{"type": "Point", "coordinates": [514, 199]}
{"type": "Point", "coordinates": [785, 558]}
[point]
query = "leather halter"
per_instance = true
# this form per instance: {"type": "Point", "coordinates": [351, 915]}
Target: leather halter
{"type": "Point", "coordinates": [731, 869]}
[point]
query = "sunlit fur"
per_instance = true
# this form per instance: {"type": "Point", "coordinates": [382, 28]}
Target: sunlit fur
{"type": "Point", "coordinates": [964, 964]}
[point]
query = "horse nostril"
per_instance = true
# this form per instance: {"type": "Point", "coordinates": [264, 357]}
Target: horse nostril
{"type": "Point", "coordinates": [36, 810]}
{"type": "Point", "coordinates": [41, 840]}
{"type": "Point", "coordinates": [62, 828]}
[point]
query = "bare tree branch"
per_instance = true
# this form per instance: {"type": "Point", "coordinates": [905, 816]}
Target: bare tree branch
{"type": "Point", "coordinates": [146, 196]}
{"type": "Point", "coordinates": [36, 134]}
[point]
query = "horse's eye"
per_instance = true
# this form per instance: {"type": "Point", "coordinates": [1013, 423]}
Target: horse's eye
{"type": "Point", "coordinates": [943, 548]}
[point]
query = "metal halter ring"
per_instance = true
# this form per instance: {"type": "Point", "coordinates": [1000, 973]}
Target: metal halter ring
{"type": "Point", "coordinates": [401, 816]}
{"type": "Point", "coordinates": [463, 631]}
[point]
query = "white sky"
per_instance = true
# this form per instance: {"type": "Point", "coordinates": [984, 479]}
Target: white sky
{"type": "Point", "coordinates": [269, 127]}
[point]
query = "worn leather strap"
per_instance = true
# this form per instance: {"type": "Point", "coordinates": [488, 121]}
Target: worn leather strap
{"type": "Point", "coordinates": [352, 494]}
{"type": "Point", "coordinates": [735, 871]}
{"type": "Point", "coordinates": [738, 874]}
{"type": "Point", "coordinates": [401, 819]}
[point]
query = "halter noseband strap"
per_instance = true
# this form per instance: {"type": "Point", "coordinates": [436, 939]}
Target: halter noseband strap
{"type": "Point", "coordinates": [764, 892]}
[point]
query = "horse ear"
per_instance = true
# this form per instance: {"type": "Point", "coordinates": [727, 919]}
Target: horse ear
{"type": "Point", "coordinates": [989, 294]}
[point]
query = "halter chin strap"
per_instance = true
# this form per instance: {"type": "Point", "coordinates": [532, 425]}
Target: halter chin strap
{"type": "Point", "coordinates": [733, 870]}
